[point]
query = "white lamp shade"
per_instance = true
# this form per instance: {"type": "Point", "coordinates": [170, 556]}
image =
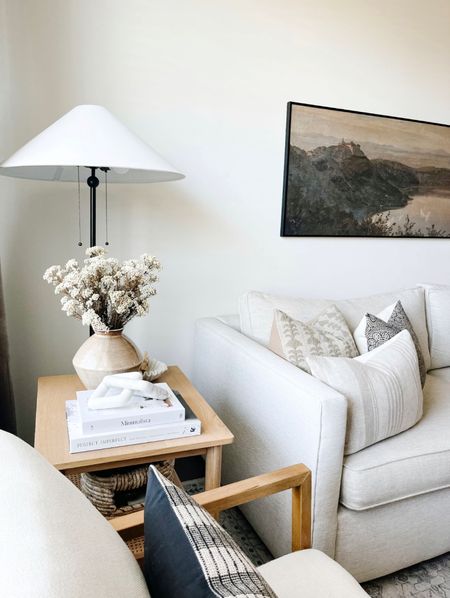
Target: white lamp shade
{"type": "Point", "coordinates": [88, 136]}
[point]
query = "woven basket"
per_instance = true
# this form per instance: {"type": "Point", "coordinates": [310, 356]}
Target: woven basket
{"type": "Point", "coordinates": [102, 489]}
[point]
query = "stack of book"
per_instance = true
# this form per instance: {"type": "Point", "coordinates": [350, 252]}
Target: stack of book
{"type": "Point", "coordinates": [142, 420]}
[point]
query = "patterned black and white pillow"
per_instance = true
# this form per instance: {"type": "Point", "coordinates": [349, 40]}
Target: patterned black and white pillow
{"type": "Point", "coordinates": [187, 553]}
{"type": "Point", "coordinates": [373, 331]}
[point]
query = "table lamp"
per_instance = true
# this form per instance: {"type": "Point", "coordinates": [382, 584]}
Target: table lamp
{"type": "Point", "coordinates": [85, 140]}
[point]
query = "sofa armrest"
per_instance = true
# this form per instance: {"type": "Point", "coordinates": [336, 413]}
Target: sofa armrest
{"type": "Point", "coordinates": [278, 415]}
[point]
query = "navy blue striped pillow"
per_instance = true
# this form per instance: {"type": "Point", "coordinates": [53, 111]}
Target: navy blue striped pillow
{"type": "Point", "coordinates": [188, 554]}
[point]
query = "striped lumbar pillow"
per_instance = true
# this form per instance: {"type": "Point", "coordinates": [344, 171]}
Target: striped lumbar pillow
{"type": "Point", "coordinates": [382, 389]}
{"type": "Point", "coordinates": [187, 553]}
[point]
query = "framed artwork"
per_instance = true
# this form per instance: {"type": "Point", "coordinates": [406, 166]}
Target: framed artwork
{"type": "Point", "coordinates": [353, 174]}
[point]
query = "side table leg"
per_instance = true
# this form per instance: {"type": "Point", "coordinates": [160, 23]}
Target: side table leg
{"type": "Point", "coordinates": [213, 469]}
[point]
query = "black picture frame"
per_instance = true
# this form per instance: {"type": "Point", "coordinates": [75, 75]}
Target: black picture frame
{"type": "Point", "coordinates": [286, 230]}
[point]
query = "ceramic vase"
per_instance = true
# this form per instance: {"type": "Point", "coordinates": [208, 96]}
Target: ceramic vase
{"type": "Point", "coordinates": [105, 353]}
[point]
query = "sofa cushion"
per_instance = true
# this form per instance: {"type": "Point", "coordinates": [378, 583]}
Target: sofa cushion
{"type": "Point", "coordinates": [411, 463]}
{"type": "Point", "coordinates": [310, 574]}
{"type": "Point", "coordinates": [256, 312]}
{"type": "Point", "coordinates": [382, 389]}
{"type": "Point", "coordinates": [437, 305]}
{"type": "Point", "coordinates": [327, 334]}
{"type": "Point", "coordinates": [54, 543]}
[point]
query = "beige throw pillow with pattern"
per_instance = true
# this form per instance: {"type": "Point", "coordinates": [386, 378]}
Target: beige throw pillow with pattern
{"type": "Point", "coordinates": [327, 334]}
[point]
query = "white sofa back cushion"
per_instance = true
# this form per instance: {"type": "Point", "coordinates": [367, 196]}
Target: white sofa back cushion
{"type": "Point", "coordinates": [54, 543]}
{"type": "Point", "coordinates": [437, 304]}
{"type": "Point", "coordinates": [256, 311]}
{"type": "Point", "coordinates": [382, 388]}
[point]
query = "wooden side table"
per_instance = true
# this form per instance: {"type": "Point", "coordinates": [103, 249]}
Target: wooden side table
{"type": "Point", "coordinates": [51, 438]}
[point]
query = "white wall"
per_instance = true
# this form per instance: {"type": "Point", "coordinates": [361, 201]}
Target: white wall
{"type": "Point", "coordinates": [206, 83]}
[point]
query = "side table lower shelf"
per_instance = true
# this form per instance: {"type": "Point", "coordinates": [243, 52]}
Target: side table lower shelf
{"type": "Point", "coordinates": [136, 545]}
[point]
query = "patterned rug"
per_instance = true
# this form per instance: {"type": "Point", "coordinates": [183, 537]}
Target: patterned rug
{"type": "Point", "coordinates": [430, 579]}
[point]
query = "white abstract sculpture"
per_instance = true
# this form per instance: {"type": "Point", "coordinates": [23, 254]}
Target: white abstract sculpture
{"type": "Point", "coordinates": [118, 390]}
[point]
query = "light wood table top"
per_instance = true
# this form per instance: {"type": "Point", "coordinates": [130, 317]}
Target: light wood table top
{"type": "Point", "coordinates": [51, 438]}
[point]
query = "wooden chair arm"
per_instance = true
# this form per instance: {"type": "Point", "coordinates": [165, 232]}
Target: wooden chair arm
{"type": "Point", "coordinates": [296, 478]}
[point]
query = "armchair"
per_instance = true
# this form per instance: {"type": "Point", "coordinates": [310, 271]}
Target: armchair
{"type": "Point", "coordinates": [55, 543]}
{"type": "Point", "coordinates": [304, 572]}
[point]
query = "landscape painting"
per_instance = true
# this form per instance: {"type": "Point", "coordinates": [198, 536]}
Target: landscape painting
{"type": "Point", "coordinates": [356, 174]}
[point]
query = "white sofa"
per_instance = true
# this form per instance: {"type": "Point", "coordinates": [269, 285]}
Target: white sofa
{"type": "Point", "coordinates": [376, 511]}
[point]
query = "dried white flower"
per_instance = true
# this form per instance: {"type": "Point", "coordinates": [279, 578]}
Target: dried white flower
{"type": "Point", "coordinates": [104, 293]}
{"type": "Point", "coordinates": [95, 251]}
{"type": "Point", "coordinates": [71, 265]}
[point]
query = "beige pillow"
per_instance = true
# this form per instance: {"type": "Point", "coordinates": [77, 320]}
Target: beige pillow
{"type": "Point", "coordinates": [382, 388]}
{"type": "Point", "coordinates": [327, 334]}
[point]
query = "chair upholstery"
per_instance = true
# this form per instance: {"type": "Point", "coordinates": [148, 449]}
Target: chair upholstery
{"type": "Point", "coordinates": [406, 465]}
{"type": "Point", "coordinates": [309, 574]}
{"type": "Point", "coordinates": [54, 543]}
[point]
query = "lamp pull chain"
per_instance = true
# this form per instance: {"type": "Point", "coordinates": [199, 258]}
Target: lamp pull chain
{"type": "Point", "coordinates": [79, 208]}
{"type": "Point", "coordinates": [106, 208]}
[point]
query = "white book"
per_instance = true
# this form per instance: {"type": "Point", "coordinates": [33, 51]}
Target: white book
{"type": "Point", "coordinates": [139, 413]}
{"type": "Point", "coordinates": [79, 442]}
